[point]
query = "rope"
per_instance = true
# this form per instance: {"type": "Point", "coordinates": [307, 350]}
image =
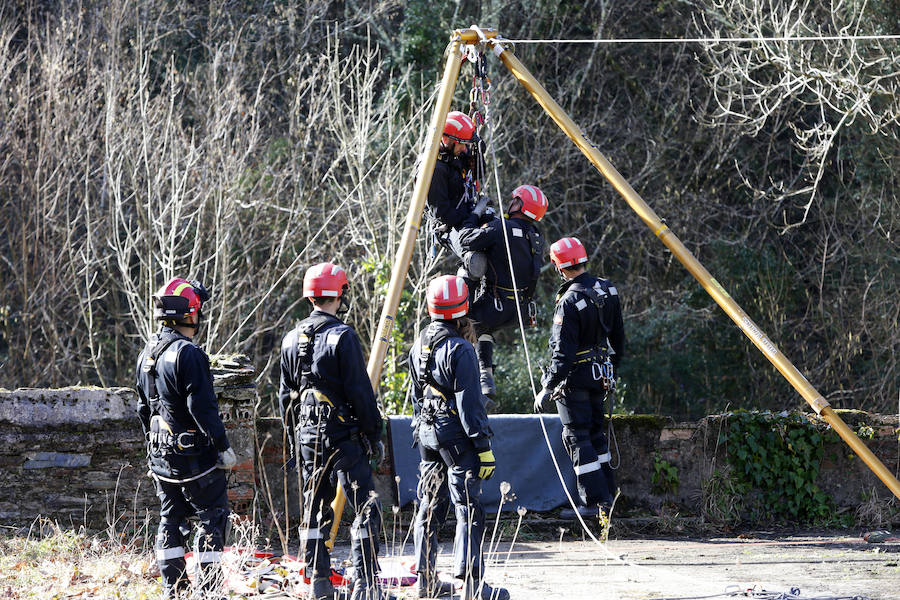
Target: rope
{"type": "Point", "coordinates": [328, 220]}
{"type": "Point", "coordinates": [715, 40]}
{"type": "Point", "coordinates": [556, 466]}
{"type": "Point", "coordinates": [515, 286]}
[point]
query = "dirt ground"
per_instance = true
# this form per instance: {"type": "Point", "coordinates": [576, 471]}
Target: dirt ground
{"type": "Point", "coordinates": [821, 565]}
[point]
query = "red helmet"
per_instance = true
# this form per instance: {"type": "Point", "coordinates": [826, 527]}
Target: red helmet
{"type": "Point", "coordinates": [179, 298]}
{"type": "Point", "coordinates": [324, 279]}
{"type": "Point", "coordinates": [567, 252]}
{"type": "Point", "coordinates": [448, 297]}
{"type": "Point", "coordinates": [534, 203]}
{"type": "Point", "coordinates": [459, 127]}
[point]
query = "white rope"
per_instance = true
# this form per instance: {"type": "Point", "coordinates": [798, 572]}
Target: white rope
{"type": "Point", "coordinates": [327, 221]}
{"type": "Point", "coordinates": [515, 286]}
{"type": "Point", "coordinates": [715, 40]}
{"type": "Point", "coordinates": [556, 466]}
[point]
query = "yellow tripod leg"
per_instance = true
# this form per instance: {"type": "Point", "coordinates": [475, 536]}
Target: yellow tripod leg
{"type": "Point", "coordinates": [712, 287]}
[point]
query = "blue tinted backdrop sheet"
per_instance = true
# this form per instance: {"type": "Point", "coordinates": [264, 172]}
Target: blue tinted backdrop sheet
{"type": "Point", "coordinates": [522, 460]}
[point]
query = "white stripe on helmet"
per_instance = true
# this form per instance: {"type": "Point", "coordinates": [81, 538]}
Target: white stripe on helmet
{"type": "Point", "coordinates": [456, 123]}
{"type": "Point", "coordinates": [446, 289]}
{"type": "Point", "coordinates": [459, 286]}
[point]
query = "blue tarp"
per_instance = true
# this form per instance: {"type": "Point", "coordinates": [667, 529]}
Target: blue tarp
{"type": "Point", "coordinates": [522, 459]}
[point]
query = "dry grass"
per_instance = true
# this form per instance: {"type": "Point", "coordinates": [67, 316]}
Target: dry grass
{"type": "Point", "coordinates": [49, 562]}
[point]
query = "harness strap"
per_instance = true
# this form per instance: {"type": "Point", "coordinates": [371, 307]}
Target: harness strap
{"type": "Point", "coordinates": [149, 367]}
{"type": "Point", "coordinates": [434, 336]}
{"type": "Point", "coordinates": [309, 328]}
{"type": "Point", "coordinates": [591, 292]}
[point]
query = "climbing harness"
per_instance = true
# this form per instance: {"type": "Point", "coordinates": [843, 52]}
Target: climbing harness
{"type": "Point", "coordinates": [434, 397]}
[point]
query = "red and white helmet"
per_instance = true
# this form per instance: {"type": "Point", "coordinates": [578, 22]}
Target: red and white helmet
{"type": "Point", "coordinates": [459, 127]}
{"type": "Point", "coordinates": [534, 202]}
{"type": "Point", "coordinates": [567, 252]}
{"type": "Point", "coordinates": [324, 279]}
{"type": "Point", "coordinates": [179, 299]}
{"type": "Point", "coordinates": [448, 297]}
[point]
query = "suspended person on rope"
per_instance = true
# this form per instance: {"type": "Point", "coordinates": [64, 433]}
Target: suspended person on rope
{"type": "Point", "coordinates": [328, 407]}
{"type": "Point", "coordinates": [495, 300]}
{"type": "Point", "coordinates": [454, 439]}
{"type": "Point", "coordinates": [453, 198]}
{"type": "Point", "coordinates": [587, 343]}
{"type": "Point", "coordinates": [187, 446]}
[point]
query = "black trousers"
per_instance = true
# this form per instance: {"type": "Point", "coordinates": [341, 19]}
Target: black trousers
{"type": "Point", "coordinates": [584, 436]}
{"type": "Point", "coordinates": [324, 465]}
{"type": "Point", "coordinates": [443, 479]}
{"type": "Point", "coordinates": [207, 499]}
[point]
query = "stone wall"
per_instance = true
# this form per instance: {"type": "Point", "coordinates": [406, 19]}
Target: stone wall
{"type": "Point", "coordinates": [76, 455]}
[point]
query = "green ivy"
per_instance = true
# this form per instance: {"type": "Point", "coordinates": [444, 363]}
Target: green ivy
{"type": "Point", "coordinates": [776, 460]}
{"type": "Point", "coordinates": [664, 479]}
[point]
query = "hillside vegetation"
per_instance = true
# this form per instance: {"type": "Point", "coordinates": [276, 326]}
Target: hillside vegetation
{"type": "Point", "coordinates": [242, 141]}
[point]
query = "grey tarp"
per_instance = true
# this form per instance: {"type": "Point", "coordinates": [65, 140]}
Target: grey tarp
{"type": "Point", "coordinates": [522, 460]}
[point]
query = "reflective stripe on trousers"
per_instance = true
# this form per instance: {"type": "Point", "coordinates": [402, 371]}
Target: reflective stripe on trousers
{"type": "Point", "coordinates": [169, 553]}
{"type": "Point", "coordinates": [310, 534]}
{"type": "Point", "coordinates": [592, 466]}
{"type": "Point", "coordinates": [209, 557]}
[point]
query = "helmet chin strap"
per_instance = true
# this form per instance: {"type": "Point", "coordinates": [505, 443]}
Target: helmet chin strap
{"type": "Point", "coordinates": [344, 306]}
{"type": "Point", "coordinates": [559, 272]}
{"type": "Point", "coordinates": [194, 326]}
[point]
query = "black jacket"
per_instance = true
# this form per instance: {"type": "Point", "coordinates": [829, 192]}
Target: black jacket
{"type": "Point", "coordinates": [579, 328]}
{"type": "Point", "coordinates": [187, 401]}
{"type": "Point", "coordinates": [526, 246]}
{"type": "Point", "coordinates": [445, 195]}
{"type": "Point", "coordinates": [454, 371]}
{"type": "Point", "coordinates": [338, 370]}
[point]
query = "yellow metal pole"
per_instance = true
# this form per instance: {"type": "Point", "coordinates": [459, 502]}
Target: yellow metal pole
{"type": "Point", "coordinates": [712, 287]}
{"type": "Point", "coordinates": [407, 242]}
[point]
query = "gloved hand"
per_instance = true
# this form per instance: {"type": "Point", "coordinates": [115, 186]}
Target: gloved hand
{"type": "Point", "coordinates": [488, 464]}
{"type": "Point", "coordinates": [481, 206]}
{"type": "Point", "coordinates": [226, 460]}
{"type": "Point", "coordinates": [374, 452]}
{"type": "Point", "coordinates": [377, 455]}
{"type": "Point", "coordinates": [543, 396]}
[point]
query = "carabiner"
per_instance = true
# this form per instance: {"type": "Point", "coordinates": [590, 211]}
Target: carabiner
{"type": "Point", "coordinates": [486, 92]}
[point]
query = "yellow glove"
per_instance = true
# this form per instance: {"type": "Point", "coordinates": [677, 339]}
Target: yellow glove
{"type": "Point", "coordinates": [488, 464]}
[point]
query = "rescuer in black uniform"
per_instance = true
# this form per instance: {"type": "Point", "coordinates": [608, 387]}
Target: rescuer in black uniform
{"type": "Point", "coordinates": [328, 405]}
{"type": "Point", "coordinates": [186, 440]}
{"type": "Point", "coordinates": [587, 343]}
{"type": "Point", "coordinates": [453, 198]}
{"type": "Point", "coordinates": [454, 439]}
{"type": "Point", "coordinates": [495, 301]}
{"type": "Point", "coordinates": [449, 201]}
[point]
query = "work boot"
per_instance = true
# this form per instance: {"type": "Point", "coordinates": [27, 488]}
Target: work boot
{"type": "Point", "coordinates": [322, 589]}
{"type": "Point", "coordinates": [487, 382]}
{"type": "Point", "coordinates": [432, 587]}
{"type": "Point", "coordinates": [586, 512]}
{"type": "Point", "coordinates": [479, 590]}
{"type": "Point", "coordinates": [476, 264]}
